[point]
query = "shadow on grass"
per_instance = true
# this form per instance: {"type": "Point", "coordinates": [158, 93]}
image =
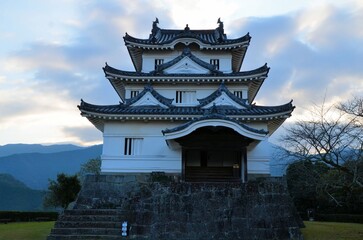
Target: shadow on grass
{"type": "Point", "coordinates": [332, 231]}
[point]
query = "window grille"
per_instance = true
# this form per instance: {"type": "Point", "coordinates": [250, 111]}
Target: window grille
{"type": "Point", "coordinates": [238, 94]}
{"type": "Point", "coordinates": [185, 97]}
{"type": "Point", "coordinates": [215, 62]}
{"type": "Point", "coordinates": [134, 93]}
{"type": "Point", "coordinates": [158, 62]}
{"type": "Point", "coordinates": [133, 146]}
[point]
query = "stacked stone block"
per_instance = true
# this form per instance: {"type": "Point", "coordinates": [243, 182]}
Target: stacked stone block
{"type": "Point", "coordinates": [160, 207]}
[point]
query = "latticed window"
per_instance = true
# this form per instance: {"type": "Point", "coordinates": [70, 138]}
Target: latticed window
{"type": "Point", "coordinates": [133, 146]}
{"type": "Point", "coordinates": [158, 62]}
{"type": "Point", "coordinates": [185, 97]}
{"type": "Point", "coordinates": [238, 94]}
{"type": "Point", "coordinates": [134, 93]}
{"type": "Point", "coordinates": [215, 62]}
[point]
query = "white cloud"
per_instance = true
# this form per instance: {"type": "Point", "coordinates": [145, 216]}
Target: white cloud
{"type": "Point", "coordinates": [312, 49]}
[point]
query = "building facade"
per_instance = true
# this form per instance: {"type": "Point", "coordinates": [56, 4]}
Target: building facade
{"type": "Point", "coordinates": [187, 109]}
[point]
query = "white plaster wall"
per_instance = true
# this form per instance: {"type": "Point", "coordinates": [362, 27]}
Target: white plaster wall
{"type": "Point", "coordinates": [202, 90]}
{"type": "Point", "coordinates": [155, 154]}
{"type": "Point", "coordinates": [225, 59]}
{"type": "Point", "coordinates": [258, 157]}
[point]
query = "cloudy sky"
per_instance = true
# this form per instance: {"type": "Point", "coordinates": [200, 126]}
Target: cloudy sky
{"type": "Point", "coordinates": [52, 54]}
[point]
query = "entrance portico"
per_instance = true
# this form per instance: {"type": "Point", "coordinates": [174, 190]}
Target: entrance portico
{"type": "Point", "coordinates": [214, 149]}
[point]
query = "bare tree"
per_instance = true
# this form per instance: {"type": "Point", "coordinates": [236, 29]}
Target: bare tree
{"type": "Point", "coordinates": [333, 137]}
{"type": "Point", "coordinates": [353, 107]}
{"type": "Point", "coordinates": [328, 137]}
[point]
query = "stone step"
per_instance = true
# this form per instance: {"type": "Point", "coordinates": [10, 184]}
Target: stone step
{"type": "Point", "coordinates": [76, 224]}
{"type": "Point", "coordinates": [94, 212]}
{"type": "Point", "coordinates": [92, 218]}
{"type": "Point", "coordinates": [82, 237]}
{"type": "Point", "coordinates": [87, 231]}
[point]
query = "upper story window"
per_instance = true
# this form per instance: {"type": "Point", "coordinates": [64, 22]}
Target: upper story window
{"type": "Point", "coordinates": [185, 97]}
{"type": "Point", "coordinates": [134, 93]}
{"type": "Point", "coordinates": [238, 94]}
{"type": "Point", "coordinates": [215, 62]}
{"type": "Point", "coordinates": [133, 146]}
{"type": "Point", "coordinates": [158, 62]}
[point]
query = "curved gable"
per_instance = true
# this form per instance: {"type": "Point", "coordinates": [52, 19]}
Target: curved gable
{"type": "Point", "coordinates": [224, 100]}
{"type": "Point", "coordinates": [186, 66]}
{"type": "Point", "coordinates": [188, 128]}
{"type": "Point", "coordinates": [148, 100]}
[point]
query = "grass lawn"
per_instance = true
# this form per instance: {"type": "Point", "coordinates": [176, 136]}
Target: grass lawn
{"type": "Point", "coordinates": [332, 231]}
{"type": "Point", "coordinates": [25, 230]}
{"type": "Point", "coordinates": [313, 231]}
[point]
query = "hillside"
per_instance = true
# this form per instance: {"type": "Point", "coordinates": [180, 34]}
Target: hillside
{"type": "Point", "coordinates": [10, 149]}
{"type": "Point", "coordinates": [34, 169]}
{"type": "Point", "coordinates": [15, 195]}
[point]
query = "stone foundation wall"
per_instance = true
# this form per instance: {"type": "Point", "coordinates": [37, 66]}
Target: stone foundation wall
{"type": "Point", "coordinates": [160, 207]}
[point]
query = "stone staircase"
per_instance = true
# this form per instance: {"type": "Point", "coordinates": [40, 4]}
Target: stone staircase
{"type": "Point", "coordinates": [260, 209]}
{"type": "Point", "coordinates": [88, 224]}
{"type": "Point", "coordinates": [211, 174]}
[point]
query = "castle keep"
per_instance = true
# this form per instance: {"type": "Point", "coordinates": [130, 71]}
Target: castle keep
{"type": "Point", "coordinates": [187, 109]}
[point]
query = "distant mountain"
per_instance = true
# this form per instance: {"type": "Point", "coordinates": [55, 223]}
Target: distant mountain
{"type": "Point", "coordinates": [16, 196]}
{"type": "Point", "coordinates": [34, 169]}
{"type": "Point", "coordinates": [279, 161]}
{"type": "Point", "coordinates": [11, 149]}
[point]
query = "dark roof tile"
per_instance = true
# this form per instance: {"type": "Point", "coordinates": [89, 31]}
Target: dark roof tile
{"type": "Point", "coordinates": [108, 70]}
{"type": "Point", "coordinates": [124, 109]}
{"type": "Point", "coordinates": [160, 36]}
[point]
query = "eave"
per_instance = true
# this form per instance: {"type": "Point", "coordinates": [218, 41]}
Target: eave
{"type": "Point", "coordinates": [254, 79]}
{"type": "Point", "coordinates": [238, 48]}
{"type": "Point", "coordinates": [98, 119]}
{"type": "Point", "coordinates": [97, 116]}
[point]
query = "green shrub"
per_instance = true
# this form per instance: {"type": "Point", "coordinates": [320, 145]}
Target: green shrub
{"type": "Point", "coordinates": [14, 216]}
{"type": "Point", "coordinates": [348, 218]}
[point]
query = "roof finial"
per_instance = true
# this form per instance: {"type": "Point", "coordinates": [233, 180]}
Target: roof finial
{"type": "Point", "coordinates": [186, 28]}
{"type": "Point", "coordinates": [154, 30]}
{"type": "Point", "coordinates": [221, 26]}
{"type": "Point", "coordinates": [155, 22]}
{"type": "Point", "coordinates": [155, 27]}
{"type": "Point", "coordinates": [220, 31]}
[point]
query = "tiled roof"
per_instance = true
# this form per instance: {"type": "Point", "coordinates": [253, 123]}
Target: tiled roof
{"type": "Point", "coordinates": [160, 36]}
{"type": "Point", "coordinates": [125, 109]}
{"type": "Point", "coordinates": [254, 78]}
{"type": "Point", "coordinates": [166, 39]}
{"type": "Point", "coordinates": [249, 75]}
{"type": "Point", "coordinates": [168, 36]}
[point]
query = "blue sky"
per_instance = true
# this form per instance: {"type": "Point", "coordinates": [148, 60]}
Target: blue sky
{"type": "Point", "coordinates": [52, 54]}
